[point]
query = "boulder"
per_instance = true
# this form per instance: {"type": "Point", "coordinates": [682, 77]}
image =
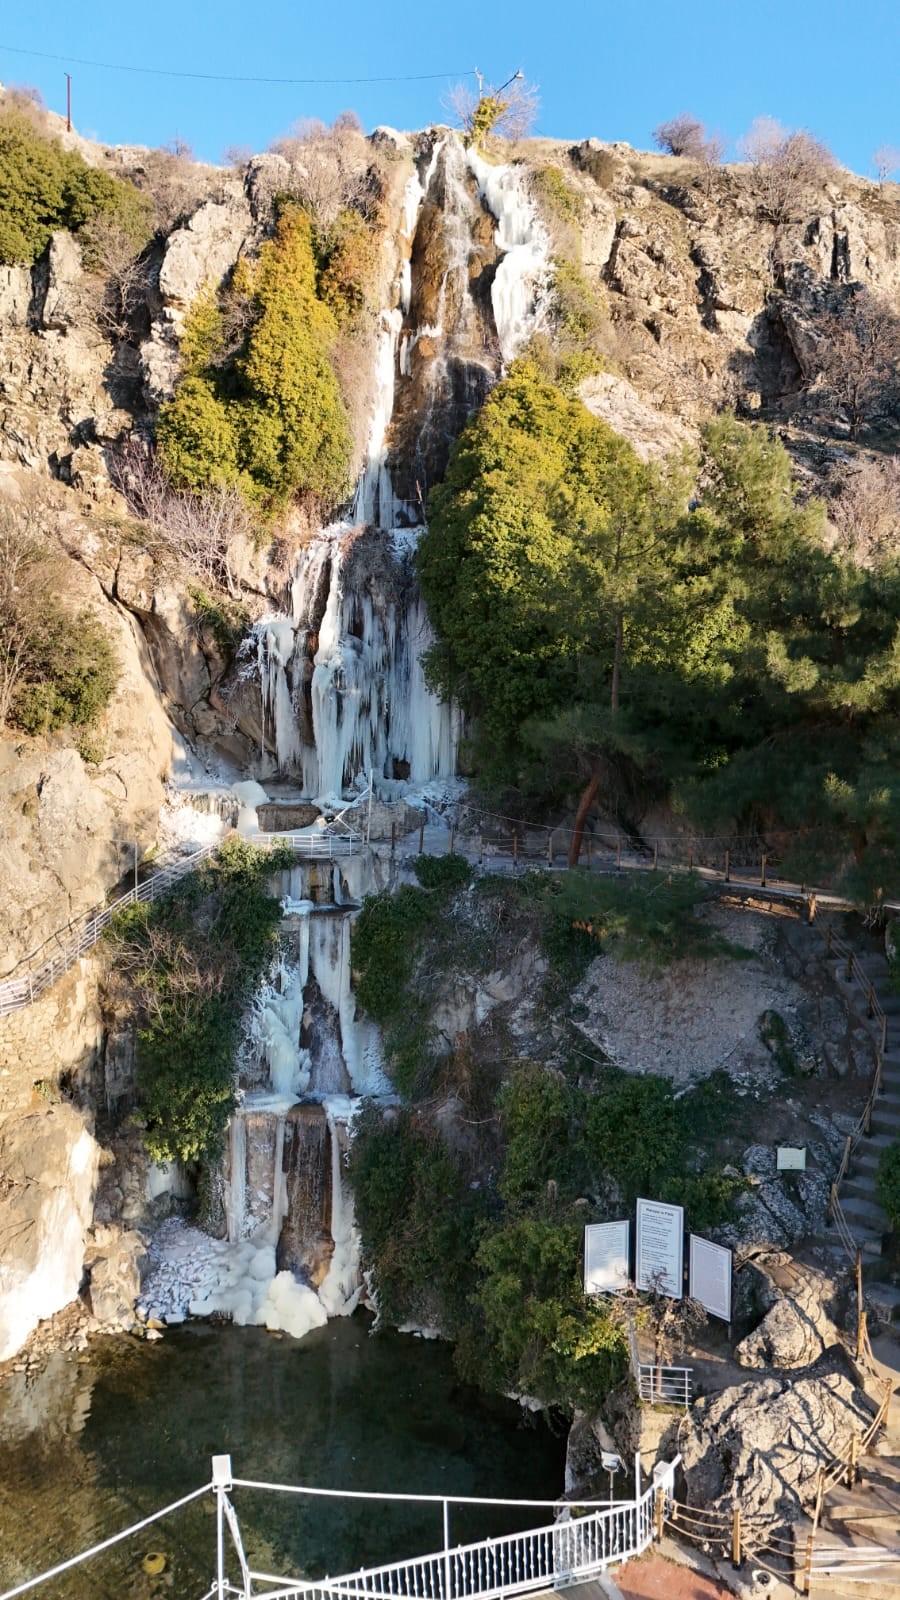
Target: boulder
{"type": "Point", "coordinates": [49, 1162]}
{"type": "Point", "coordinates": [202, 252]}
{"type": "Point", "coordinates": [787, 1337]}
{"type": "Point", "coordinates": [63, 300]}
{"type": "Point", "coordinates": [114, 1259]}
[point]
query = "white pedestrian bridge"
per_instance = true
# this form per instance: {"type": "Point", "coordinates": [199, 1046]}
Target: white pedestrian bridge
{"type": "Point", "coordinates": [571, 1544]}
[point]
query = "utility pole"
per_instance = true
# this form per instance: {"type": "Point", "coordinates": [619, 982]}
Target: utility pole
{"type": "Point", "coordinates": [68, 102]}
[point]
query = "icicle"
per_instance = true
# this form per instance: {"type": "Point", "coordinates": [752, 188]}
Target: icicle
{"type": "Point", "coordinates": [341, 1289]}
{"type": "Point", "coordinates": [521, 283]}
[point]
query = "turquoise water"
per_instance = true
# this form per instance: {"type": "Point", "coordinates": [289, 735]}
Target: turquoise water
{"type": "Point", "coordinates": [93, 1443]}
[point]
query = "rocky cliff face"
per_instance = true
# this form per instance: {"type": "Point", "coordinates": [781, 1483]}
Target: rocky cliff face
{"type": "Point", "coordinates": [704, 303]}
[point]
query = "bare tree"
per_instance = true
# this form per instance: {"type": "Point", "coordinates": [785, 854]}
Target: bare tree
{"type": "Point", "coordinates": [509, 110]}
{"type": "Point", "coordinates": [198, 530]}
{"type": "Point", "coordinates": [329, 169]}
{"type": "Point", "coordinates": [680, 136]}
{"type": "Point", "coordinates": [866, 511]}
{"type": "Point", "coordinates": [859, 357]}
{"type": "Point", "coordinates": [114, 257]}
{"type": "Point", "coordinates": [23, 592]}
{"type": "Point", "coordinates": [788, 166]}
{"type": "Point", "coordinates": [886, 161]}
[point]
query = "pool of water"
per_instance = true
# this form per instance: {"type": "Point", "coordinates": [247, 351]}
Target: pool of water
{"type": "Point", "coordinates": [93, 1443]}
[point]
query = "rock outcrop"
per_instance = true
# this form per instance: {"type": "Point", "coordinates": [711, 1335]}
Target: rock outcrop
{"type": "Point", "coordinates": [48, 1162]}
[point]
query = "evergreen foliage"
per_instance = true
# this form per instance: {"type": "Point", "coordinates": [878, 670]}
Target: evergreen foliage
{"type": "Point", "coordinates": [887, 1183]}
{"type": "Point", "coordinates": [72, 673]}
{"type": "Point", "coordinates": [609, 639]}
{"type": "Point", "coordinates": [44, 187]}
{"type": "Point", "coordinates": [193, 959]}
{"type": "Point", "coordinates": [268, 413]}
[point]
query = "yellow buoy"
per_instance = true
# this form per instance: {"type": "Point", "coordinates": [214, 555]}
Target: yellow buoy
{"type": "Point", "coordinates": [154, 1563]}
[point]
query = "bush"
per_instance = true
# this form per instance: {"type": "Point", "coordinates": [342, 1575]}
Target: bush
{"type": "Point", "coordinates": [417, 1216]}
{"type": "Point", "coordinates": [537, 1332]}
{"type": "Point", "coordinates": [73, 673]}
{"type": "Point", "coordinates": [564, 204]}
{"type": "Point", "coordinates": [443, 873]}
{"type": "Point", "coordinates": [44, 187]}
{"type": "Point", "coordinates": [192, 961]}
{"type": "Point", "coordinates": [269, 416]}
{"type": "Point", "coordinates": [887, 1183]}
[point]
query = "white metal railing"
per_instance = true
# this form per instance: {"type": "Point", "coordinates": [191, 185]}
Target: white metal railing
{"type": "Point", "coordinates": [671, 1386]}
{"type": "Point", "coordinates": [45, 966]}
{"type": "Point", "coordinates": [540, 1559]}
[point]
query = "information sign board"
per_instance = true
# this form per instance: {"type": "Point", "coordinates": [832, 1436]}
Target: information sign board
{"type": "Point", "coordinates": [710, 1276]}
{"type": "Point", "coordinates": [791, 1158]}
{"type": "Point", "coordinates": [606, 1257]}
{"type": "Point", "coordinates": [660, 1247]}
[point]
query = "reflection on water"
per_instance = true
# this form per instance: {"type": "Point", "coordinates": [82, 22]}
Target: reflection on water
{"type": "Point", "coordinates": [94, 1443]}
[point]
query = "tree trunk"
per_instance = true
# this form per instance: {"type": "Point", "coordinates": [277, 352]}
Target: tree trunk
{"type": "Point", "coordinates": [581, 815]}
{"type": "Point", "coordinates": [617, 663]}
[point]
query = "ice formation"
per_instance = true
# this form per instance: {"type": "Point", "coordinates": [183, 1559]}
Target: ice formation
{"type": "Point", "coordinates": [344, 697]}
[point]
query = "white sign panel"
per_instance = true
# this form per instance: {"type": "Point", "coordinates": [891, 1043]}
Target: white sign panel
{"type": "Point", "coordinates": [606, 1257]}
{"type": "Point", "coordinates": [710, 1277]}
{"type": "Point", "coordinates": [791, 1158]}
{"type": "Point", "coordinates": [660, 1247]}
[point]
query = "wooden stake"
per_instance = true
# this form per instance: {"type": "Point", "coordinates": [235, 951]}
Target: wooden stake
{"type": "Point", "coordinates": [811, 917]}
{"type": "Point", "coordinates": [727, 866]}
{"type": "Point", "coordinates": [807, 1565]}
{"type": "Point", "coordinates": [660, 1511]}
{"type": "Point", "coordinates": [550, 847]}
{"type": "Point", "coordinates": [736, 1536]}
{"type": "Point", "coordinates": [421, 838]}
{"type": "Point", "coordinates": [851, 1464]}
{"type": "Point", "coordinates": [655, 855]}
{"type": "Point", "coordinates": [762, 871]}
{"type": "Point", "coordinates": [515, 849]}
{"type": "Point", "coordinates": [480, 850]}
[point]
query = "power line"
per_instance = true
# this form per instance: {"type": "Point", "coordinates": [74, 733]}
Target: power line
{"type": "Point", "coordinates": [225, 77]}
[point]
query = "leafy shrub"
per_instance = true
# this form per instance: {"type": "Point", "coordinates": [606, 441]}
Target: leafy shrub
{"type": "Point", "coordinates": [446, 873]}
{"type": "Point", "coordinates": [44, 187]}
{"type": "Point", "coordinates": [417, 1215]}
{"type": "Point", "coordinates": [708, 1200]}
{"type": "Point", "coordinates": [563, 202]}
{"type": "Point", "coordinates": [537, 1111]}
{"type": "Point", "coordinates": [346, 267]}
{"type": "Point", "coordinates": [536, 1332]}
{"type": "Point", "coordinates": [192, 961]}
{"type": "Point", "coordinates": [269, 415]}
{"type": "Point", "coordinates": [384, 944]}
{"type": "Point", "coordinates": [71, 672]}
{"type": "Point", "coordinates": [887, 1182]}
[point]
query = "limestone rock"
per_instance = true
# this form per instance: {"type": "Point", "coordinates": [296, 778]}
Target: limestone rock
{"type": "Point", "coordinates": [49, 1164]}
{"type": "Point", "coordinates": [63, 301]}
{"type": "Point", "coordinates": [787, 1337]}
{"type": "Point", "coordinates": [202, 252]}
{"type": "Point", "coordinates": [113, 1259]}
{"type": "Point", "coordinates": [763, 1443]}
{"type": "Point", "coordinates": [652, 433]}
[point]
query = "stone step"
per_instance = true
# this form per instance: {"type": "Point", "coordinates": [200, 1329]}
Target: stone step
{"type": "Point", "coordinates": [860, 1187]}
{"type": "Point", "coordinates": [866, 1212]}
{"type": "Point", "coordinates": [886, 1117]}
{"type": "Point", "coordinates": [868, 1242]}
{"type": "Point", "coordinates": [884, 1298]}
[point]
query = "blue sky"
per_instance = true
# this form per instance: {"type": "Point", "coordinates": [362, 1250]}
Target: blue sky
{"type": "Point", "coordinates": [607, 68]}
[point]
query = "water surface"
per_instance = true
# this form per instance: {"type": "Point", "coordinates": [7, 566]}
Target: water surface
{"type": "Point", "coordinates": [95, 1442]}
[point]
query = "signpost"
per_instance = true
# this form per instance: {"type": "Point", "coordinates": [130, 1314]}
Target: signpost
{"type": "Point", "coordinates": [660, 1247]}
{"type": "Point", "coordinates": [710, 1277]}
{"type": "Point", "coordinates": [606, 1257]}
{"type": "Point", "coordinates": [791, 1158]}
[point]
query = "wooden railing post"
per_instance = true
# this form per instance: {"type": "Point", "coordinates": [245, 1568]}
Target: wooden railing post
{"type": "Point", "coordinates": [806, 1574]}
{"type": "Point", "coordinates": [452, 840]}
{"type": "Point", "coordinates": [736, 1536]}
{"type": "Point", "coordinates": [515, 849]}
{"type": "Point", "coordinates": [851, 1464]}
{"type": "Point", "coordinates": [550, 848]}
{"type": "Point", "coordinates": [480, 850]}
{"type": "Point", "coordinates": [421, 838]}
{"type": "Point", "coordinates": [393, 837]}
{"type": "Point", "coordinates": [762, 870]}
{"type": "Point", "coordinates": [655, 855]}
{"type": "Point", "coordinates": [660, 1511]}
{"type": "Point", "coordinates": [727, 866]}
{"type": "Point", "coordinates": [883, 1032]}
{"type": "Point", "coordinates": [860, 1308]}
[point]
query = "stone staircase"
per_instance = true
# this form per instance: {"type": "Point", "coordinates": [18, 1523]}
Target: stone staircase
{"type": "Point", "coordinates": [866, 1219]}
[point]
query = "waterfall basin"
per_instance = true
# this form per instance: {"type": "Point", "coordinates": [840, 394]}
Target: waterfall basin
{"type": "Point", "coordinates": [90, 1445]}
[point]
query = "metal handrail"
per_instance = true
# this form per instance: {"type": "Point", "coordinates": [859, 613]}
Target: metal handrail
{"type": "Point", "coordinates": [22, 988]}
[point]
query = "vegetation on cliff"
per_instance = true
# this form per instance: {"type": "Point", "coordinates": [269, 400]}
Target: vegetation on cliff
{"type": "Point", "coordinates": [259, 403]}
{"type": "Point", "coordinates": [472, 1199]}
{"type": "Point", "coordinates": [44, 187]}
{"type": "Point", "coordinates": [191, 962]}
{"type": "Point", "coordinates": [607, 636]}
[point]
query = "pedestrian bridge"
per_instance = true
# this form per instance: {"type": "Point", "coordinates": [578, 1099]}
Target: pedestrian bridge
{"type": "Point", "coordinates": [569, 1545]}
